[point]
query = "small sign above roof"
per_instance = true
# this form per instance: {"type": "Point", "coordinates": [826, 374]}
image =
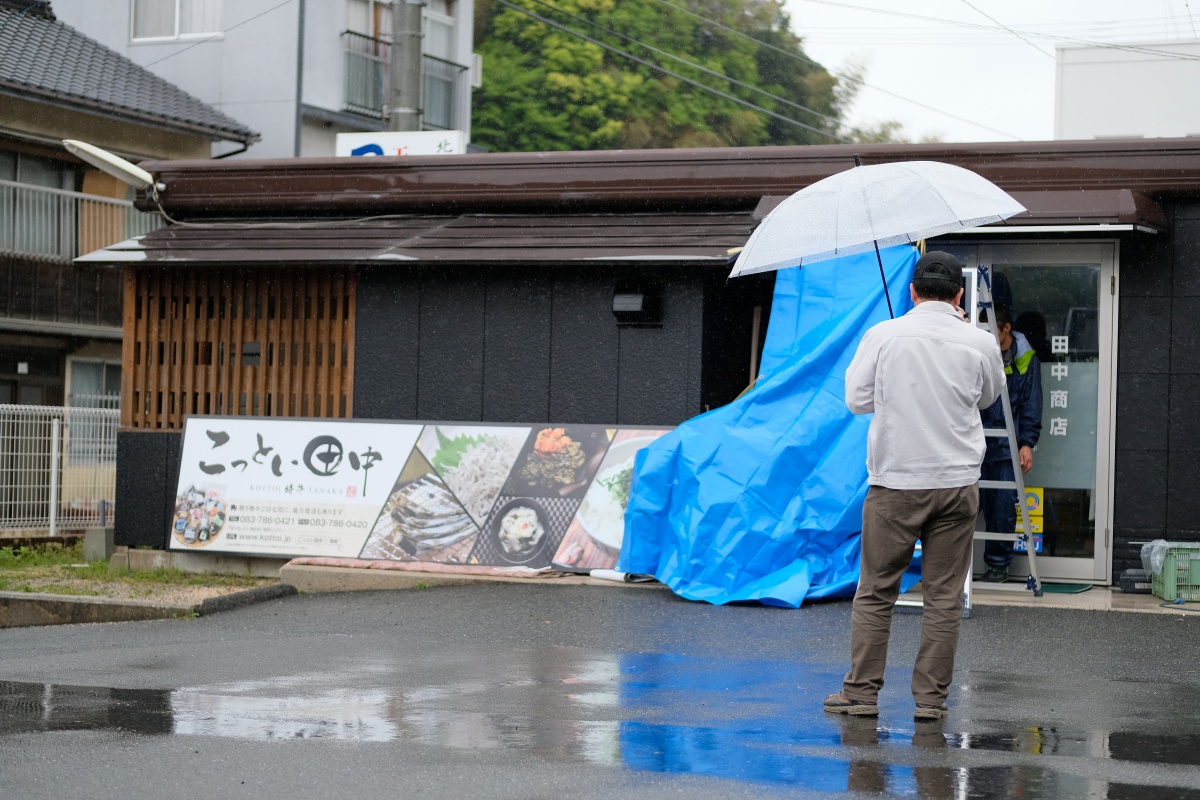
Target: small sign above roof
{"type": "Point", "coordinates": [402, 143]}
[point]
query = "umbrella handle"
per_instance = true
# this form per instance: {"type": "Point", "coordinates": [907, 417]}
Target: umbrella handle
{"type": "Point", "coordinates": [887, 296]}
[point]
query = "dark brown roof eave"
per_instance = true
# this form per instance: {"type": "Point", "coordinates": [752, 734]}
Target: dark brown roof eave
{"type": "Point", "coordinates": [480, 240]}
{"type": "Point", "coordinates": [653, 179]}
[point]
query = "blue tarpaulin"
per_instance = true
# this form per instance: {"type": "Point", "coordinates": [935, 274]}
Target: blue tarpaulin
{"type": "Point", "coordinates": [762, 499]}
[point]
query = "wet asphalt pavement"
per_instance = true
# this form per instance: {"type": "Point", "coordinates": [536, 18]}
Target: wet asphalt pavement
{"type": "Point", "coordinates": [548, 692]}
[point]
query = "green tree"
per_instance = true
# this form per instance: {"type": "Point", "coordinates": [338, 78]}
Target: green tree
{"type": "Point", "coordinates": [548, 89]}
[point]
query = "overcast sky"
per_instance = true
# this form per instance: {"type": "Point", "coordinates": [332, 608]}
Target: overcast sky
{"type": "Point", "coordinates": [1000, 83]}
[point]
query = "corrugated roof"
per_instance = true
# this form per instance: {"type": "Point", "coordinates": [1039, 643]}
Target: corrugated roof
{"type": "Point", "coordinates": [470, 238]}
{"type": "Point", "coordinates": [44, 58]}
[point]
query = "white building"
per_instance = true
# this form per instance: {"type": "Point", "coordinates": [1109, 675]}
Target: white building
{"type": "Point", "coordinates": [1139, 90]}
{"type": "Point", "coordinates": [244, 58]}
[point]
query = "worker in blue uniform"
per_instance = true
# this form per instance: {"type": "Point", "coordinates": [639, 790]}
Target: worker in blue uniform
{"type": "Point", "coordinates": [1023, 371]}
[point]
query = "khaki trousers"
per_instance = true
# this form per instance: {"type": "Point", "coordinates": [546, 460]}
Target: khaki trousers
{"type": "Point", "coordinates": [893, 520]}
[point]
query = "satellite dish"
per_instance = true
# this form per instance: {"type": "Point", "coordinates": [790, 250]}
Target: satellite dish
{"type": "Point", "coordinates": [113, 165]}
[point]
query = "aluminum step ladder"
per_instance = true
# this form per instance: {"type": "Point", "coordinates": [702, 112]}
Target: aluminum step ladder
{"type": "Point", "coordinates": [1033, 583]}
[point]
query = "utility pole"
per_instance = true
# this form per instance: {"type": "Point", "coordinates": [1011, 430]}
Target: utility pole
{"type": "Point", "coordinates": [299, 121]}
{"type": "Point", "coordinates": [404, 102]}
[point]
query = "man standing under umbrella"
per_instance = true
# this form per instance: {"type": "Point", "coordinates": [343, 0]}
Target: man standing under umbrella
{"type": "Point", "coordinates": [925, 377]}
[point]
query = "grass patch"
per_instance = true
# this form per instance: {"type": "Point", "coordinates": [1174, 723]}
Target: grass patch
{"type": "Point", "coordinates": [56, 568]}
{"type": "Point", "coordinates": [175, 577]}
{"type": "Point", "coordinates": [78, 591]}
{"type": "Point", "coordinates": [94, 571]}
{"type": "Point", "coordinates": [51, 554]}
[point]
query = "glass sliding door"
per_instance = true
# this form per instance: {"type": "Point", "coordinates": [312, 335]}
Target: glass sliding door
{"type": "Point", "coordinates": [1062, 298]}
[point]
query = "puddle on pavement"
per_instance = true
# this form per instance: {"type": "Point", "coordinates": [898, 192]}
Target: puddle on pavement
{"type": "Point", "coordinates": [740, 720]}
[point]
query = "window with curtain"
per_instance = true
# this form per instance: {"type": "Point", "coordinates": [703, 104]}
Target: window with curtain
{"type": "Point", "coordinates": [369, 18]}
{"type": "Point", "coordinates": [172, 19]}
{"type": "Point", "coordinates": [199, 16]}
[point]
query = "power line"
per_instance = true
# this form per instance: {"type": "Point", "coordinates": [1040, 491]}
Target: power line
{"type": "Point", "coordinates": [675, 75]}
{"type": "Point", "coordinates": [963, 24]}
{"type": "Point", "coordinates": [690, 63]}
{"type": "Point", "coordinates": [1067, 27]}
{"type": "Point", "coordinates": [1017, 34]}
{"type": "Point", "coordinates": [851, 78]}
{"type": "Point", "coordinates": [1192, 21]}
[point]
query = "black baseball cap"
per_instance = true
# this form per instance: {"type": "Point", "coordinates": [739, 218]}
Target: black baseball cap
{"type": "Point", "coordinates": [939, 265]}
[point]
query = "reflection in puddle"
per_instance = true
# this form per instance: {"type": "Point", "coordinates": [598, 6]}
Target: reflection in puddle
{"type": "Point", "coordinates": [352, 715]}
{"type": "Point", "coordinates": [742, 720]}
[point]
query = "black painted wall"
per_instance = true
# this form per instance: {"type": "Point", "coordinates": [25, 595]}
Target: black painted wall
{"type": "Point", "coordinates": [513, 345]}
{"type": "Point", "coordinates": [1157, 492]}
{"type": "Point", "coordinates": [537, 344]}
{"type": "Point", "coordinates": [147, 471]}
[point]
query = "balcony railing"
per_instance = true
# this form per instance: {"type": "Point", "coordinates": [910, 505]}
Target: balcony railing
{"type": "Point", "coordinates": [58, 225]}
{"type": "Point", "coordinates": [445, 82]}
{"type": "Point", "coordinates": [367, 80]}
{"type": "Point", "coordinates": [366, 74]}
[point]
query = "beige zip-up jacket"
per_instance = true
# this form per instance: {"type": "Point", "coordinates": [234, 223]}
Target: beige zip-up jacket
{"type": "Point", "coordinates": [925, 376]}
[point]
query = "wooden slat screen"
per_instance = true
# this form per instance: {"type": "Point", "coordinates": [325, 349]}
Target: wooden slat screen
{"type": "Point", "coordinates": [271, 342]}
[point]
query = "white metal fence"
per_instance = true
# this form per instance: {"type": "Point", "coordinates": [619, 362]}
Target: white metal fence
{"type": "Point", "coordinates": [60, 225]}
{"type": "Point", "coordinates": [58, 468]}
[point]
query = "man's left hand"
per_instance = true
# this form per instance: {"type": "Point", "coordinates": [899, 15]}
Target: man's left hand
{"type": "Point", "coordinates": [1025, 454]}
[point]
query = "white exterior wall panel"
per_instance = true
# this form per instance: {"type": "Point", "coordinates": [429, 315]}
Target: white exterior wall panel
{"type": "Point", "coordinates": [1108, 93]}
{"type": "Point", "coordinates": [249, 72]}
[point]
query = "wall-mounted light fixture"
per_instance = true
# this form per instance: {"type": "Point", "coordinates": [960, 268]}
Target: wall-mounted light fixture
{"type": "Point", "coordinates": [638, 303]}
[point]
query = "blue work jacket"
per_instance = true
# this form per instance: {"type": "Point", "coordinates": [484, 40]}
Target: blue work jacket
{"type": "Point", "coordinates": [1024, 374]}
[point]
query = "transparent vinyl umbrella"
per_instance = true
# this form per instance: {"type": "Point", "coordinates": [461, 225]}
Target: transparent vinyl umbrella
{"type": "Point", "coordinates": [870, 207]}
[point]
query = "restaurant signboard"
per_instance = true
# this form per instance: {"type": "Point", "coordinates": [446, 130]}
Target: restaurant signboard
{"type": "Point", "coordinates": [450, 493]}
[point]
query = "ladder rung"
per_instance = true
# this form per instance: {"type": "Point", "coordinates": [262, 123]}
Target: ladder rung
{"type": "Point", "coordinates": [1017, 585]}
{"type": "Point", "coordinates": [998, 537]}
{"type": "Point", "coordinates": [996, 432]}
{"type": "Point", "coordinates": [998, 485]}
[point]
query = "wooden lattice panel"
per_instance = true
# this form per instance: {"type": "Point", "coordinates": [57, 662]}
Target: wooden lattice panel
{"type": "Point", "coordinates": [272, 342]}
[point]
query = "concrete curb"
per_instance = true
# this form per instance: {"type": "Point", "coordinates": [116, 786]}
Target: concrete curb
{"type": "Point", "coordinates": [313, 579]}
{"type": "Point", "coordinates": [229, 601]}
{"type": "Point", "coordinates": [26, 609]}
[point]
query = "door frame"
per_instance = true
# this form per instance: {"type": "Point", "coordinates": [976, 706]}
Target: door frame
{"type": "Point", "coordinates": [1105, 253]}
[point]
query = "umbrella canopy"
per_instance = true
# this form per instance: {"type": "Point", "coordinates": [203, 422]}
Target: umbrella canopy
{"type": "Point", "coordinates": [871, 207]}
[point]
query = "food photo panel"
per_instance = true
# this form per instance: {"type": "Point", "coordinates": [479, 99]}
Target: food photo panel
{"type": "Point", "coordinates": [474, 461]}
{"type": "Point", "coordinates": [593, 539]}
{"type": "Point", "coordinates": [422, 520]}
{"type": "Point", "coordinates": [199, 515]}
{"type": "Point", "coordinates": [558, 461]}
{"type": "Point", "coordinates": [524, 531]}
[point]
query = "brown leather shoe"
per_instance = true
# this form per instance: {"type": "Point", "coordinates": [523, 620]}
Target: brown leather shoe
{"type": "Point", "coordinates": [924, 711]}
{"type": "Point", "coordinates": [839, 704]}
